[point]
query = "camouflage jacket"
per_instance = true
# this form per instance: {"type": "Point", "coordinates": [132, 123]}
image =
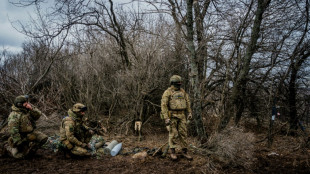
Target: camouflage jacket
{"type": "Point", "coordinates": [22, 121]}
{"type": "Point", "coordinates": [166, 103]}
{"type": "Point", "coordinates": [72, 129]}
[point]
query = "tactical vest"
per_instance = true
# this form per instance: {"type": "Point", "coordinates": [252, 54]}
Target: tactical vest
{"type": "Point", "coordinates": [177, 100]}
{"type": "Point", "coordinates": [77, 128]}
{"type": "Point", "coordinates": [62, 128]}
{"type": "Point", "coordinates": [26, 125]}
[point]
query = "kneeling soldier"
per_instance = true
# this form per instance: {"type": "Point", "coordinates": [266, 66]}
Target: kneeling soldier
{"type": "Point", "coordinates": [74, 134]}
{"type": "Point", "coordinates": [24, 139]}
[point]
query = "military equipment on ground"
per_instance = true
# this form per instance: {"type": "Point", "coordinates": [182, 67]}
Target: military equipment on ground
{"type": "Point", "coordinates": [116, 149]}
{"type": "Point", "coordinates": [109, 148]}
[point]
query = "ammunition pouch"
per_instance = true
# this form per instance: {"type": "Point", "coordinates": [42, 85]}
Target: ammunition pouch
{"type": "Point", "coordinates": [67, 144]}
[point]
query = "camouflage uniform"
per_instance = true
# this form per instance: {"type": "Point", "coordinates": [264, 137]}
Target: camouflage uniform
{"type": "Point", "coordinates": [174, 103]}
{"type": "Point", "coordinates": [74, 132]}
{"type": "Point", "coordinates": [178, 128]}
{"type": "Point", "coordinates": [21, 127]}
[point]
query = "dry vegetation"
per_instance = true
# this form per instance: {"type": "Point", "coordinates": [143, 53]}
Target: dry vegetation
{"type": "Point", "coordinates": [238, 59]}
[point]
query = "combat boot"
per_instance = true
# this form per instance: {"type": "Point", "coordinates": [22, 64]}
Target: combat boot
{"type": "Point", "coordinates": [173, 156]}
{"type": "Point", "coordinates": [187, 156]}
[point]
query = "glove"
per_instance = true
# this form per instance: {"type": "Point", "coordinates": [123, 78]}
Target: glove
{"type": "Point", "coordinates": [189, 116]}
{"type": "Point", "coordinates": [168, 128]}
{"type": "Point", "coordinates": [167, 121]}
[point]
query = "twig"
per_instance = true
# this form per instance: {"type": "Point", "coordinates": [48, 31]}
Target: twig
{"type": "Point", "coordinates": [44, 116]}
{"type": "Point", "coordinates": [4, 124]}
{"type": "Point", "coordinates": [159, 148]}
{"type": "Point", "coordinates": [202, 151]}
{"type": "Point", "coordinates": [153, 103]}
{"type": "Point", "coordinates": [271, 134]}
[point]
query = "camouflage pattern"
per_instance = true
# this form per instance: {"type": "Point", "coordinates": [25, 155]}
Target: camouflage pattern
{"type": "Point", "coordinates": [78, 107]}
{"type": "Point", "coordinates": [175, 99]}
{"type": "Point", "coordinates": [74, 132]}
{"type": "Point", "coordinates": [174, 104]}
{"type": "Point", "coordinates": [54, 144]}
{"type": "Point", "coordinates": [175, 79]}
{"type": "Point", "coordinates": [177, 133]}
{"type": "Point", "coordinates": [21, 127]}
{"type": "Point", "coordinates": [19, 100]}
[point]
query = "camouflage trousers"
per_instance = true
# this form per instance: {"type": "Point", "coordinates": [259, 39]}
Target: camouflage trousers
{"type": "Point", "coordinates": [178, 132]}
{"type": "Point", "coordinates": [78, 150]}
{"type": "Point", "coordinates": [32, 141]}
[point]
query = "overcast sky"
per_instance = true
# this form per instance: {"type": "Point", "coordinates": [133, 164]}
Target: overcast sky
{"type": "Point", "coordinates": [11, 39]}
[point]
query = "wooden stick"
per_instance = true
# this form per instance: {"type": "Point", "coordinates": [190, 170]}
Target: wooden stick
{"type": "Point", "coordinates": [159, 148]}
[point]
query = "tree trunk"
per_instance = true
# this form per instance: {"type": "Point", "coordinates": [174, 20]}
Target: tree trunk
{"type": "Point", "coordinates": [200, 12]}
{"type": "Point", "coordinates": [292, 99]}
{"type": "Point", "coordinates": [194, 74]}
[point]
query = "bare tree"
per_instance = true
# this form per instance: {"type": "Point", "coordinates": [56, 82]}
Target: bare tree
{"type": "Point", "coordinates": [239, 88]}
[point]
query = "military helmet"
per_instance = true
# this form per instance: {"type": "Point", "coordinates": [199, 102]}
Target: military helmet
{"type": "Point", "coordinates": [20, 100]}
{"type": "Point", "coordinates": [79, 107]}
{"type": "Point", "coordinates": [176, 79]}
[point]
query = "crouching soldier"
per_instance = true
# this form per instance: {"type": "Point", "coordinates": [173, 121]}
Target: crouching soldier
{"type": "Point", "coordinates": [74, 134]}
{"type": "Point", "coordinates": [24, 139]}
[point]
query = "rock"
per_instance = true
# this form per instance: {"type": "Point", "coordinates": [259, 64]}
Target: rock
{"type": "Point", "coordinates": [140, 155]}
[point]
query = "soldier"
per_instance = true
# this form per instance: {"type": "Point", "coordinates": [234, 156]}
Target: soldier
{"type": "Point", "coordinates": [174, 103]}
{"type": "Point", "coordinates": [24, 139]}
{"type": "Point", "coordinates": [74, 134]}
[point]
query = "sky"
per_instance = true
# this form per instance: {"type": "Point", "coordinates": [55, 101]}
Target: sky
{"type": "Point", "coordinates": [10, 38]}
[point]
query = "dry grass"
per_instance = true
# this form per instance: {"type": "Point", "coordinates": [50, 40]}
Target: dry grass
{"type": "Point", "coordinates": [50, 125]}
{"type": "Point", "coordinates": [232, 147]}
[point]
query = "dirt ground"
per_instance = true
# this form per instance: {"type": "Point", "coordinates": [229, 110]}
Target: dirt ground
{"type": "Point", "coordinates": [285, 156]}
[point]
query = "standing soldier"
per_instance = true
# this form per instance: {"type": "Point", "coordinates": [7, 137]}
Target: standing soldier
{"type": "Point", "coordinates": [174, 103]}
{"type": "Point", "coordinates": [24, 139]}
{"type": "Point", "coordinates": [74, 134]}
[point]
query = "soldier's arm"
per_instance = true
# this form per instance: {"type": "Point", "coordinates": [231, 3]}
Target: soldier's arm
{"type": "Point", "coordinates": [188, 104]}
{"type": "Point", "coordinates": [13, 127]}
{"type": "Point", "coordinates": [69, 128]}
{"type": "Point", "coordinates": [84, 124]}
{"type": "Point", "coordinates": [35, 113]}
{"type": "Point", "coordinates": [164, 104]}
